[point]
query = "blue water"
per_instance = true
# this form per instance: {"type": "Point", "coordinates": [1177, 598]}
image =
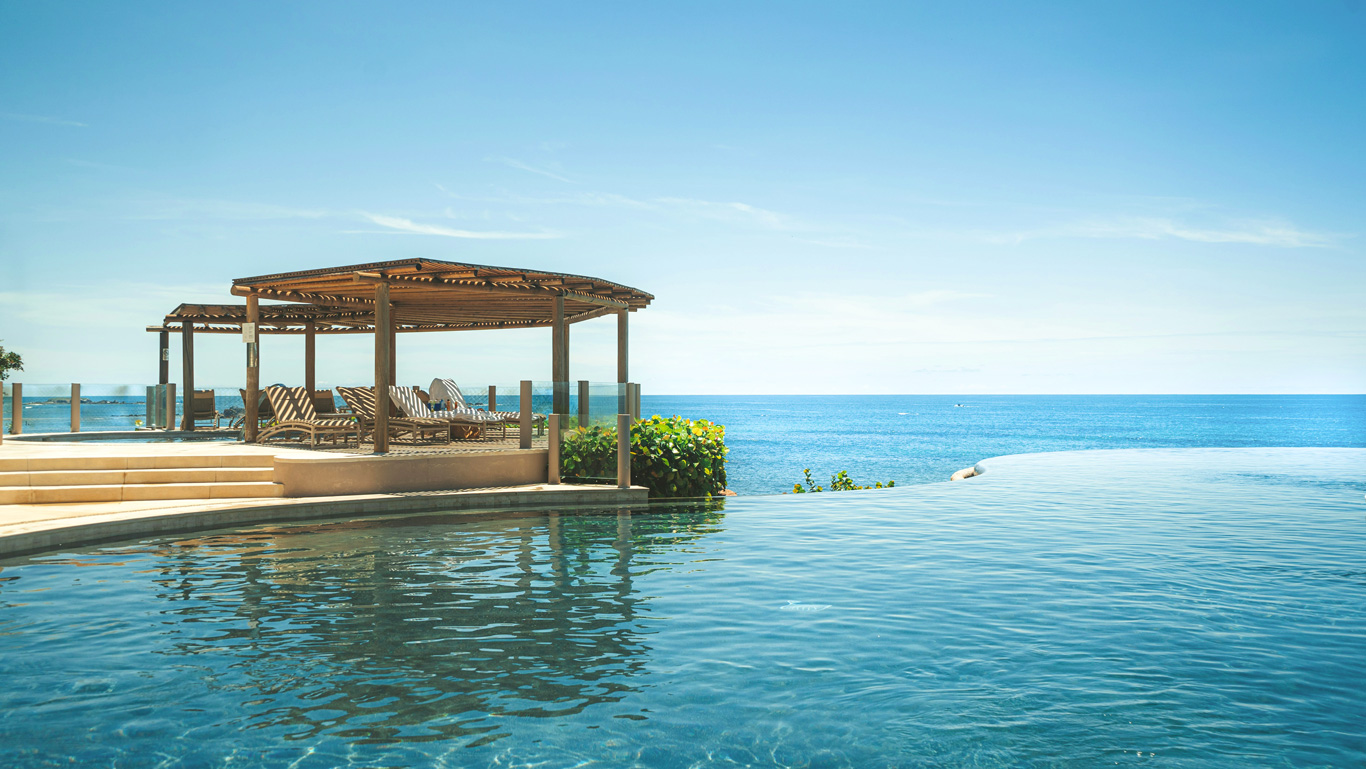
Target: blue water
{"type": "Point", "coordinates": [923, 438]}
{"type": "Point", "coordinates": [1177, 608]}
{"type": "Point", "coordinates": [926, 438]}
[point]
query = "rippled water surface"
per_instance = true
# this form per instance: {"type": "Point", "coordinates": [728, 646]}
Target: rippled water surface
{"type": "Point", "coordinates": [1193, 608]}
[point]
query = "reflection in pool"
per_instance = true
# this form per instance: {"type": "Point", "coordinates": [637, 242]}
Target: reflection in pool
{"type": "Point", "coordinates": [1192, 608]}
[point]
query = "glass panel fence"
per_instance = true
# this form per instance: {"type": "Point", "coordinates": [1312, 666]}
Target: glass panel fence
{"type": "Point", "coordinates": [46, 408]}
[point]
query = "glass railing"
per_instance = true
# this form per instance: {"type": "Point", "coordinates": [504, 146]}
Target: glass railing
{"type": "Point", "coordinates": [46, 408]}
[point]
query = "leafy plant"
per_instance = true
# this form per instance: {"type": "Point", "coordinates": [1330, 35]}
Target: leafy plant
{"type": "Point", "coordinates": [671, 456]}
{"type": "Point", "coordinates": [838, 482]}
{"type": "Point", "coordinates": [9, 361]}
{"type": "Point", "coordinates": [589, 452]}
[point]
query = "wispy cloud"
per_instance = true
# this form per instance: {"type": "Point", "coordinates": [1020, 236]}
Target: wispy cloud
{"type": "Point", "coordinates": [519, 165]}
{"type": "Point", "coordinates": [1261, 233]}
{"type": "Point", "coordinates": [222, 209]}
{"type": "Point", "coordinates": [729, 211]}
{"type": "Point", "coordinates": [396, 224]}
{"type": "Point", "coordinates": [834, 242]}
{"type": "Point", "coordinates": [23, 118]}
{"type": "Point", "coordinates": [97, 165]}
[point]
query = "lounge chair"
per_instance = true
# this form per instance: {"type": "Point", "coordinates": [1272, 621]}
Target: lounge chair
{"type": "Point", "coordinates": [204, 408]}
{"type": "Point", "coordinates": [264, 412]}
{"type": "Point", "coordinates": [324, 403]}
{"type": "Point", "coordinates": [361, 401]}
{"type": "Point", "coordinates": [448, 391]}
{"type": "Point", "coordinates": [294, 413]}
{"type": "Point", "coordinates": [471, 423]}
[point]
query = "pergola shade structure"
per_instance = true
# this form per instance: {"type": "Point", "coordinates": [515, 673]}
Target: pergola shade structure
{"type": "Point", "coordinates": [430, 295]}
{"type": "Point", "coordinates": [417, 295]}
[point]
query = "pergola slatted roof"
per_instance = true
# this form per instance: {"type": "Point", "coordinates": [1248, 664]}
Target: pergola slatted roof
{"type": "Point", "coordinates": [426, 295]}
{"type": "Point", "coordinates": [429, 294]}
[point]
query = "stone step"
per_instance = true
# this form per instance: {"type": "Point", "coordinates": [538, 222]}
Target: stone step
{"type": "Point", "coordinates": [148, 462]}
{"type": "Point", "coordinates": [112, 477]}
{"type": "Point", "coordinates": [42, 495]}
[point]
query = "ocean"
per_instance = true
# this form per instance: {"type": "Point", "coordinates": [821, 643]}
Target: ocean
{"type": "Point", "coordinates": [926, 438]}
{"type": "Point", "coordinates": [913, 439]}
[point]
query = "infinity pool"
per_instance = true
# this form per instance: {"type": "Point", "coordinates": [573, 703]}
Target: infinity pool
{"type": "Point", "coordinates": [1180, 608]}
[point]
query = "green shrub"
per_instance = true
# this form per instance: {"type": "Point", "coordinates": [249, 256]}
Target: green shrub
{"type": "Point", "coordinates": [838, 482]}
{"type": "Point", "coordinates": [672, 457]}
{"type": "Point", "coordinates": [589, 453]}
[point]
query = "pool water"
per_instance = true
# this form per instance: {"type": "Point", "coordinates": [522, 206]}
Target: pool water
{"type": "Point", "coordinates": [1179, 608]}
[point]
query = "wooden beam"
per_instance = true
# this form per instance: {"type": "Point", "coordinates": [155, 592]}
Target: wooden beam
{"type": "Point", "coordinates": [187, 374]}
{"type": "Point", "coordinates": [299, 296]}
{"type": "Point", "coordinates": [382, 339]}
{"type": "Point", "coordinates": [589, 315]}
{"type": "Point", "coordinates": [559, 360]}
{"type": "Point", "coordinates": [393, 347]}
{"type": "Point", "coordinates": [623, 362]}
{"type": "Point", "coordinates": [253, 373]}
{"type": "Point", "coordinates": [428, 281]}
{"type": "Point", "coordinates": [524, 416]}
{"type": "Point", "coordinates": [164, 369]}
{"type": "Point", "coordinates": [623, 347]}
{"type": "Point", "coordinates": [310, 357]}
{"type": "Point", "coordinates": [594, 299]}
{"type": "Point", "coordinates": [585, 395]}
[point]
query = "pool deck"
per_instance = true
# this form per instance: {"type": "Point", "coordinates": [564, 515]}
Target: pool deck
{"type": "Point", "coordinates": [27, 528]}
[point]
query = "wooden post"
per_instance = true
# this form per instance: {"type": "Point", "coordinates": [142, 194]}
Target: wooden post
{"type": "Point", "coordinates": [559, 359]}
{"type": "Point", "coordinates": [525, 415]}
{"type": "Point", "coordinates": [583, 403]}
{"type": "Point", "coordinates": [393, 346]}
{"type": "Point", "coordinates": [75, 407]}
{"type": "Point", "coordinates": [310, 357]}
{"type": "Point", "coordinates": [623, 451]}
{"type": "Point", "coordinates": [169, 422]}
{"type": "Point", "coordinates": [553, 476]}
{"type": "Point", "coordinates": [623, 360]}
{"type": "Point", "coordinates": [164, 367]}
{"type": "Point", "coordinates": [635, 400]}
{"type": "Point", "coordinates": [384, 338]}
{"type": "Point", "coordinates": [17, 407]}
{"type": "Point", "coordinates": [187, 373]}
{"type": "Point", "coordinates": [493, 398]}
{"type": "Point", "coordinates": [253, 404]}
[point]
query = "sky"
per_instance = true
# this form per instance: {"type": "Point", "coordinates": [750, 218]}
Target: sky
{"type": "Point", "coordinates": [957, 198]}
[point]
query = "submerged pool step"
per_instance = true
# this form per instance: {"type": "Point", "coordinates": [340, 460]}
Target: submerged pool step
{"type": "Point", "coordinates": [43, 495]}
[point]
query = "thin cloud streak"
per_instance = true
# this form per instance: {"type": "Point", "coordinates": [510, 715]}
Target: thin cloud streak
{"type": "Point", "coordinates": [1264, 233]}
{"type": "Point", "coordinates": [519, 165]}
{"type": "Point", "coordinates": [22, 118]}
{"type": "Point", "coordinates": [730, 211]}
{"type": "Point", "coordinates": [408, 226]}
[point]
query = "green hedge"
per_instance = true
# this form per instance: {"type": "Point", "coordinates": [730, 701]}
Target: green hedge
{"type": "Point", "coordinates": [672, 457]}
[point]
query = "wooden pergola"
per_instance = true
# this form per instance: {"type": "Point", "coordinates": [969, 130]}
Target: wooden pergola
{"type": "Point", "coordinates": [407, 296]}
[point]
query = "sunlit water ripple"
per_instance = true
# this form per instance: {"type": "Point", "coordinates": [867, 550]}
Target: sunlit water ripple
{"type": "Point", "coordinates": [1187, 608]}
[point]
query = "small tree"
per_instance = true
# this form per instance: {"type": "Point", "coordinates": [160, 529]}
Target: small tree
{"type": "Point", "coordinates": [9, 361]}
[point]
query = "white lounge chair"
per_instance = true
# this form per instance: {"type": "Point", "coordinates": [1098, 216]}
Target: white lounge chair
{"type": "Point", "coordinates": [412, 406]}
{"type": "Point", "coordinates": [447, 390]}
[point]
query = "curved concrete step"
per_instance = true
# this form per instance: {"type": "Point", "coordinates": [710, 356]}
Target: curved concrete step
{"type": "Point", "coordinates": [41, 495]}
{"type": "Point", "coordinates": [113, 477]}
{"type": "Point", "coordinates": [145, 462]}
